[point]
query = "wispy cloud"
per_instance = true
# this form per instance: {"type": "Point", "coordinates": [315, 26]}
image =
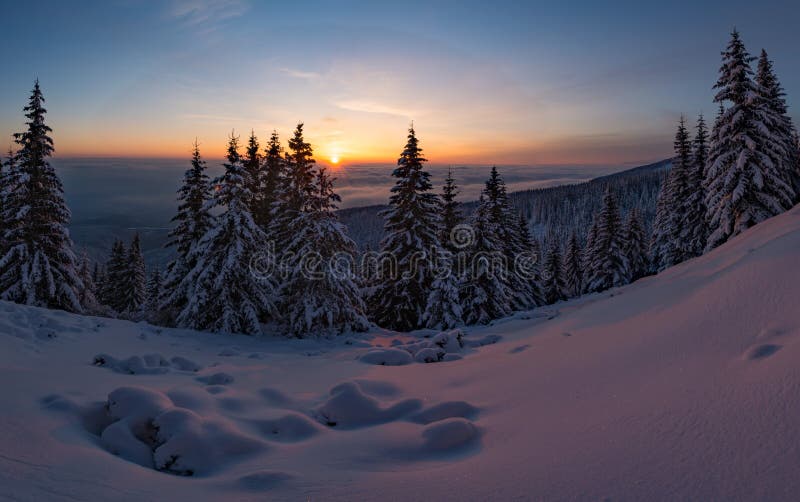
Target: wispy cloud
{"type": "Point", "coordinates": [206, 12]}
{"type": "Point", "coordinates": [306, 75]}
{"type": "Point", "coordinates": [366, 106]}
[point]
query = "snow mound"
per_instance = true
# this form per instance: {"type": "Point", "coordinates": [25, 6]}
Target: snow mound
{"type": "Point", "coordinates": [216, 379]}
{"type": "Point", "coordinates": [442, 411]}
{"type": "Point", "coordinates": [264, 480]}
{"type": "Point", "coordinates": [387, 357]}
{"type": "Point", "coordinates": [448, 435]}
{"type": "Point", "coordinates": [149, 430]}
{"type": "Point", "coordinates": [148, 364]}
{"type": "Point", "coordinates": [349, 407]}
{"type": "Point", "coordinates": [289, 428]}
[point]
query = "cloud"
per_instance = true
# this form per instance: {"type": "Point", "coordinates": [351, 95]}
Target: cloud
{"type": "Point", "coordinates": [374, 107]}
{"type": "Point", "coordinates": [305, 75]}
{"type": "Point", "coordinates": [207, 12]}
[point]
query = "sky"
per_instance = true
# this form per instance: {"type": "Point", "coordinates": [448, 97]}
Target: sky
{"type": "Point", "coordinates": [529, 83]}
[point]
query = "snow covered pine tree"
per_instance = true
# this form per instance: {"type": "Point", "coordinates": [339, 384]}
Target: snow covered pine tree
{"type": "Point", "coordinates": [412, 225]}
{"type": "Point", "coordinates": [38, 266]}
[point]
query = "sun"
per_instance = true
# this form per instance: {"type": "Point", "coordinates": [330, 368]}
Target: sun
{"type": "Point", "coordinates": [334, 159]}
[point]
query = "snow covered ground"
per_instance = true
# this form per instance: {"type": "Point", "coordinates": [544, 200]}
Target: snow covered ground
{"type": "Point", "coordinates": [680, 386]}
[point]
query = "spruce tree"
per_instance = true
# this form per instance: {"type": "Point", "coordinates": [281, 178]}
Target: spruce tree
{"type": "Point", "coordinates": [573, 269]}
{"type": "Point", "coordinates": [451, 213]}
{"type": "Point", "coordinates": [667, 247]}
{"type": "Point", "coordinates": [588, 254]}
{"type": "Point", "coordinates": [154, 294]}
{"type": "Point", "coordinates": [320, 295]}
{"type": "Point", "coordinates": [484, 292]}
{"type": "Point", "coordinates": [88, 293]}
{"type": "Point", "coordinates": [412, 228]}
{"type": "Point", "coordinates": [193, 220]}
{"type": "Point", "coordinates": [744, 185]}
{"type": "Point", "coordinates": [777, 121]}
{"type": "Point", "coordinates": [554, 285]}
{"type": "Point", "coordinates": [444, 310]}
{"type": "Point", "coordinates": [224, 295]}
{"type": "Point", "coordinates": [692, 230]}
{"type": "Point", "coordinates": [607, 264]}
{"type": "Point", "coordinates": [536, 281]}
{"type": "Point", "coordinates": [113, 291]}
{"type": "Point", "coordinates": [635, 247]}
{"type": "Point", "coordinates": [273, 169]}
{"type": "Point", "coordinates": [134, 282]}
{"type": "Point", "coordinates": [251, 161]}
{"type": "Point", "coordinates": [526, 286]}
{"type": "Point", "coordinates": [38, 266]}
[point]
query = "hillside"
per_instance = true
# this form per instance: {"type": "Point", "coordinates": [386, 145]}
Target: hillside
{"type": "Point", "coordinates": [684, 385]}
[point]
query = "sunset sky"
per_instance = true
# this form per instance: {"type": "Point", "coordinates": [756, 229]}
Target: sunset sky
{"type": "Point", "coordinates": [484, 82]}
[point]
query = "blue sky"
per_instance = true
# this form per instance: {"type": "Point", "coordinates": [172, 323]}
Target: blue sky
{"type": "Point", "coordinates": [506, 82]}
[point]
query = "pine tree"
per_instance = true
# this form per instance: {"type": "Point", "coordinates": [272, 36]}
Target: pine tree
{"type": "Point", "coordinates": [692, 230]}
{"type": "Point", "coordinates": [253, 174]}
{"type": "Point", "coordinates": [444, 310]}
{"type": "Point", "coordinates": [573, 269]}
{"type": "Point", "coordinates": [223, 293]}
{"type": "Point", "coordinates": [193, 221]}
{"type": "Point", "coordinates": [607, 265]}
{"type": "Point", "coordinates": [743, 184]}
{"type": "Point", "coordinates": [634, 247]}
{"type": "Point", "coordinates": [525, 285]}
{"type": "Point", "coordinates": [112, 293]}
{"type": "Point", "coordinates": [536, 280]}
{"type": "Point", "coordinates": [321, 296]}
{"type": "Point", "coordinates": [134, 282]}
{"type": "Point", "coordinates": [484, 292]}
{"type": "Point", "coordinates": [588, 254]}
{"type": "Point", "coordinates": [778, 122]}
{"type": "Point", "coordinates": [667, 246]}
{"type": "Point", "coordinates": [451, 213]}
{"type": "Point", "coordinates": [154, 294]}
{"type": "Point", "coordinates": [554, 285]}
{"type": "Point", "coordinates": [88, 293]}
{"type": "Point", "coordinates": [412, 227]}
{"type": "Point", "coordinates": [273, 169]}
{"type": "Point", "coordinates": [38, 266]}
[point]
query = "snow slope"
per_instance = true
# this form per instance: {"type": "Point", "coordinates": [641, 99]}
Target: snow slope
{"type": "Point", "coordinates": [680, 386]}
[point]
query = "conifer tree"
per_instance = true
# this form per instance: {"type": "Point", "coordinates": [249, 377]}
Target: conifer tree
{"type": "Point", "coordinates": [223, 293]}
{"type": "Point", "coordinates": [112, 293]}
{"type": "Point", "coordinates": [667, 247]}
{"type": "Point", "coordinates": [193, 220]}
{"type": "Point", "coordinates": [444, 310]}
{"type": "Point", "coordinates": [743, 185]}
{"type": "Point", "coordinates": [607, 265]}
{"type": "Point", "coordinates": [273, 169]}
{"type": "Point", "coordinates": [88, 291]}
{"type": "Point", "coordinates": [38, 266]}
{"type": "Point", "coordinates": [554, 285]}
{"type": "Point", "coordinates": [484, 292]}
{"type": "Point", "coordinates": [536, 281]}
{"type": "Point", "coordinates": [321, 296]}
{"type": "Point", "coordinates": [635, 247]}
{"type": "Point", "coordinates": [451, 212]}
{"type": "Point", "coordinates": [588, 254]}
{"type": "Point", "coordinates": [134, 283]}
{"type": "Point", "coordinates": [412, 228]}
{"type": "Point", "coordinates": [573, 269]}
{"type": "Point", "coordinates": [154, 293]}
{"type": "Point", "coordinates": [525, 285]}
{"type": "Point", "coordinates": [777, 121]}
{"type": "Point", "coordinates": [692, 229]}
{"type": "Point", "coordinates": [251, 160]}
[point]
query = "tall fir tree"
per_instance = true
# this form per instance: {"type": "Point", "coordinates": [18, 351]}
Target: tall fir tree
{"type": "Point", "coordinates": [193, 220]}
{"type": "Point", "coordinates": [112, 293]}
{"type": "Point", "coordinates": [451, 213]}
{"type": "Point", "coordinates": [254, 176]}
{"type": "Point", "coordinates": [778, 122]}
{"type": "Point", "coordinates": [273, 169]}
{"type": "Point", "coordinates": [484, 292]}
{"type": "Point", "coordinates": [743, 184]}
{"type": "Point", "coordinates": [588, 253]}
{"type": "Point", "coordinates": [573, 269]}
{"type": "Point", "coordinates": [321, 295]}
{"type": "Point", "coordinates": [666, 246]}
{"type": "Point", "coordinates": [134, 283]}
{"type": "Point", "coordinates": [154, 295]}
{"type": "Point", "coordinates": [38, 266]}
{"type": "Point", "coordinates": [692, 231]}
{"type": "Point", "coordinates": [634, 247]}
{"type": "Point", "coordinates": [88, 294]}
{"type": "Point", "coordinates": [526, 282]}
{"type": "Point", "coordinates": [224, 294]}
{"type": "Point", "coordinates": [412, 227]}
{"type": "Point", "coordinates": [554, 284]}
{"type": "Point", "coordinates": [607, 264]}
